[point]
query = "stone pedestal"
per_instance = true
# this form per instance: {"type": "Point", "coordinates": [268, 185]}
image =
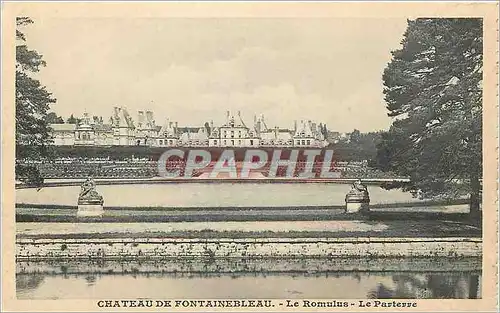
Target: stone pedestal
{"type": "Point", "coordinates": [89, 210]}
{"type": "Point", "coordinates": [358, 202]}
{"type": "Point", "coordinates": [90, 202]}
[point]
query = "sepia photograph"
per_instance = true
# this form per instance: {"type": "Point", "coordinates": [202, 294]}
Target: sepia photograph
{"type": "Point", "coordinates": [251, 162]}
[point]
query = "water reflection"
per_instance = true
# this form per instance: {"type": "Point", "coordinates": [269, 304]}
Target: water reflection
{"type": "Point", "coordinates": [203, 195]}
{"type": "Point", "coordinates": [115, 281]}
{"type": "Point", "coordinates": [454, 286]}
{"type": "Point", "coordinates": [29, 282]}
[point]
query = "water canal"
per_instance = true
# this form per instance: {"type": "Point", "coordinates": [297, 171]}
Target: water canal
{"type": "Point", "coordinates": [212, 195]}
{"type": "Point", "coordinates": [81, 281]}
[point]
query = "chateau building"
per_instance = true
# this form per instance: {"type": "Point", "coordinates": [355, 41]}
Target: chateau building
{"type": "Point", "coordinates": [122, 131]}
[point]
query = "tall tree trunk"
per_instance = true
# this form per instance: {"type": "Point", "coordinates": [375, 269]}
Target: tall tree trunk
{"type": "Point", "coordinates": [475, 196]}
{"type": "Point", "coordinates": [474, 287]}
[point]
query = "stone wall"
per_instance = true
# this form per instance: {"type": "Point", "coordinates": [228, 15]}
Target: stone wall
{"type": "Point", "coordinates": [152, 248]}
{"type": "Point", "coordinates": [249, 266]}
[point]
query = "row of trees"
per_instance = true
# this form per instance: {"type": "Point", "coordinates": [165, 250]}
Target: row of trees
{"type": "Point", "coordinates": [358, 146]}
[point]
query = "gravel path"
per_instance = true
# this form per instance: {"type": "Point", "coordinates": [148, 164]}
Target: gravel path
{"type": "Point", "coordinates": [278, 226]}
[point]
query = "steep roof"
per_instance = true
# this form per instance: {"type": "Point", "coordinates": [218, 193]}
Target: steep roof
{"type": "Point", "coordinates": [188, 129]}
{"type": "Point", "coordinates": [62, 127]}
{"type": "Point", "coordinates": [304, 129]}
{"type": "Point", "coordinates": [103, 127]}
{"type": "Point", "coordinates": [283, 135]}
{"type": "Point", "coordinates": [168, 130]}
{"type": "Point", "coordinates": [121, 118]}
{"type": "Point", "coordinates": [201, 134]}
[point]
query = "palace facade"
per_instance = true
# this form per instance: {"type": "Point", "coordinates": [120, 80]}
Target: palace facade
{"type": "Point", "coordinates": [122, 130]}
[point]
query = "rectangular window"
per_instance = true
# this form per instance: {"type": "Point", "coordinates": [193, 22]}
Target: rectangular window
{"type": "Point", "coordinates": [171, 142]}
{"type": "Point", "coordinates": [297, 142]}
{"type": "Point", "coordinates": [308, 142]}
{"type": "Point", "coordinates": [232, 134]}
{"type": "Point", "coordinates": [232, 142]}
{"type": "Point", "coordinates": [225, 134]}
{"type": "Point", "coordinates": [251, 142]}
{"type": "Point", "coordinates": [224, 142]}
{"type": "Point", "coordinates": [303, 142]}
{"type": "Point", "coordinates": [239, 142]}
{"type": "Point", "coordinates": [215, 142]}
{"type": "Point", "coordinates": [239, 134]}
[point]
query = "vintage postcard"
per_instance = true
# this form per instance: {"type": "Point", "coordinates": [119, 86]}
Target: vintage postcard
{"type": "Point", "coordinates": [258, 156]}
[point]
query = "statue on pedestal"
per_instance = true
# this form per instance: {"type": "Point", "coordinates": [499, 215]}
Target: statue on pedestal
{"type": "Point", "coordinates": [358, 198]}
{"type": "Point", "coordinates": [88, 194]}
{"type": "Point", "coordinates": [90, 202]}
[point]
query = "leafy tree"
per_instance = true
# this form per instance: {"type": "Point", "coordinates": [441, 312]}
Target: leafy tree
{"type": "Point", "coordinates": [325, 131]}
{"type": "Point", "coordinates": [362, 146]}
{"type": "Point", "coordinates": [355, 136]}
{"type": "Point", "coordinates": [73, 120]}
{"type": "Point", "coordinates": [207, 127]}
{"type": "Point", "coordinates": [433, 90]}
{"type": "Point", "coordinates": [52, 118]}
{"type": "Point", "coordinates": [32, 103]}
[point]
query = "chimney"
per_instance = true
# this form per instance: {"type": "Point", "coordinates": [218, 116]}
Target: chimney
{"type": "Point", "coordinates": [239, 113]}
{"type": "Point", "coordinates": [295, 126]}
{"type": "Point", "coordinates": [141, 118]}
{"type": "Point", "coordinates": [150, 118]}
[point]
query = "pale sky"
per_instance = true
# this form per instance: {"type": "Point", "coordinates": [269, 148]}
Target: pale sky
{"type": "Point", "coordinates": [194, 70]}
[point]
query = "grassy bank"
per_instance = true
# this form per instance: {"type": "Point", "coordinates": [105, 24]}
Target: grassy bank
{"type": "Point", "coordinates": [108, 217]}
{"type": "Point", "coordinates": [413, 204]}
{"type": "Point", "coordinates": [400, 229]}
{"type": "Point", "coordinates": [209, 234]}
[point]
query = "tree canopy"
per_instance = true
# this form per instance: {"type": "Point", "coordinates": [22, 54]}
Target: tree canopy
{"type": "Point", "coordinates": [32, 104]}
{"type": "Point", "coordinates": [53, 118]}
{"type": "Point", "coordinates": [433, 90]}
{"type": "Point", "coordinates": [73, 120]}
